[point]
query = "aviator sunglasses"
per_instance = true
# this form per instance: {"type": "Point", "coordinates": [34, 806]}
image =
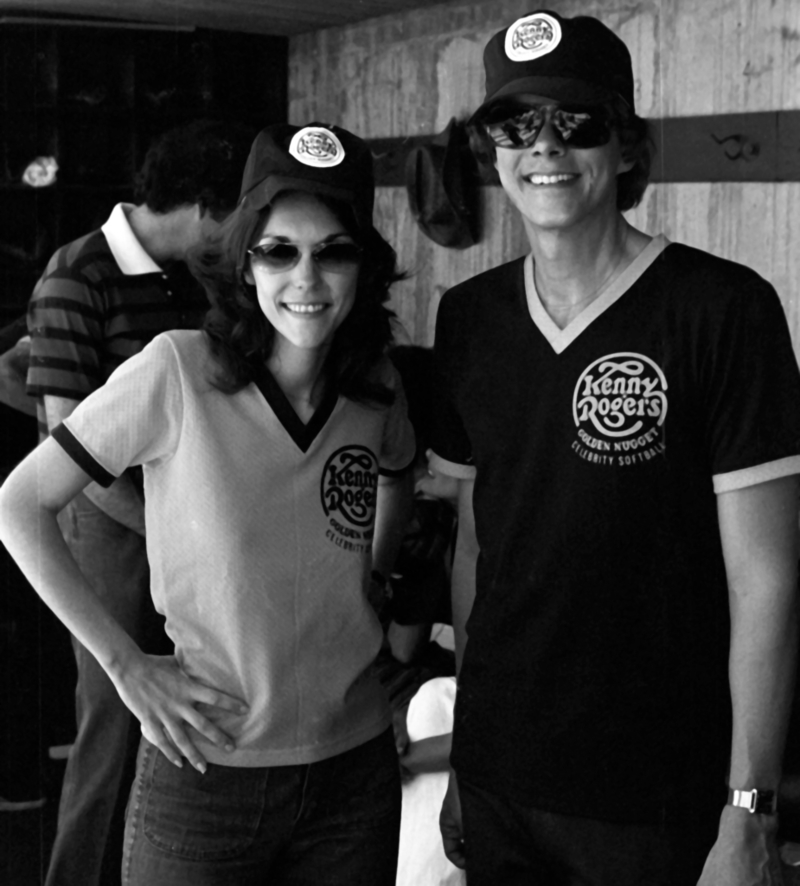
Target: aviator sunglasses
{"type": "Point", "coordinates": [335, 257]}
{"type": "Point", "coordinates": [519, 127]}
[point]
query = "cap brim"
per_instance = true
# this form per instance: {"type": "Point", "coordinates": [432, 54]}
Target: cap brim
{"type": "Point", "coordinates": [265, 192]}
{"type": "Point", "coordinates": [559, 89]}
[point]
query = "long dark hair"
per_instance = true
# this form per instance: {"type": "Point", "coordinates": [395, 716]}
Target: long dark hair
{"type": "Point", "coordinates": [241, 337]}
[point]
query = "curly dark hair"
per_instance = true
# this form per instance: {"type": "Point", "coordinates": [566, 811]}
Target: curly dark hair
{"type": "Point", "coordinates": [634, 137]}
{"type": "Point", "coordinates": [240, 335]}
{"type": "Point", "coordinates": [200, 162]}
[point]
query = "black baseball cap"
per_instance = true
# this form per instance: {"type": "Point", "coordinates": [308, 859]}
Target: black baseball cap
{"type": "Point", "coordinates": [319, 159]}
{"type": "Point", "coordinates": [570, 60]}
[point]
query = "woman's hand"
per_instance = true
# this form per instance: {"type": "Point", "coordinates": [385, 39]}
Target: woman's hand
{"type": "Point", "coordinates": [164, 699]}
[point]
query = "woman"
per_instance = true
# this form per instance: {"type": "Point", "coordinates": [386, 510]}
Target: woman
{"type": "Point", "coordinates": [261, 439]}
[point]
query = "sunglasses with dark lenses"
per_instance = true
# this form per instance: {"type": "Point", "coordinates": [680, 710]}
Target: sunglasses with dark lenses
{"type": "Point", "coordinates": [519, 127]}
{"type": "Point", "coordinates": [336, 257]}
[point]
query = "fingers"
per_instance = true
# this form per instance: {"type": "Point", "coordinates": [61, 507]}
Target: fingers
{"type": "Point", "coordinates": [186, 747]}
{"type": "Point", "coordinates": [215, 698]}
{"type": "Point", "coordinates": [158, 737]}
{"type": "Point", "coordinates": [174, 744]}
{"type": "Point", "coordinates": [169, 705]}
{"type": "Point", "coordinates": [453, 846]}
{"type": "Point", "coordinates": [451, 827]}
{"type": "Point", "coordinates": [406, 775]}
{"type": "Point", "coordinates": [209, 730]}
{"type": "Point", "coordinates": [400, 728]}
{"type": "Point", "coordinates": [188, 714]}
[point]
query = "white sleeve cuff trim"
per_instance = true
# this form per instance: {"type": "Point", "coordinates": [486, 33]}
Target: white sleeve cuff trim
{"type": "Point", "coordinates": [771, 470]}
{"type": "Point", "coordinates": [452, 468]}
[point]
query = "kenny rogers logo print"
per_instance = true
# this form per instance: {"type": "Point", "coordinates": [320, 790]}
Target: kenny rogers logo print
{"type": "Point", "coordinates": [619, 407]}
{"type": "Point", "coordinates": [349, 491]}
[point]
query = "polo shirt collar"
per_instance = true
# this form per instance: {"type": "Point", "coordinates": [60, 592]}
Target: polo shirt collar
{"type": "Point", "coordinates": [128, 252]}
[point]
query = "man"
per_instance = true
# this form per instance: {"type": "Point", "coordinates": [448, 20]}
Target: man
{"type": "Point", "coordinates": [101, 299]}
{"type": "Point", "coordinates": [623, 415]}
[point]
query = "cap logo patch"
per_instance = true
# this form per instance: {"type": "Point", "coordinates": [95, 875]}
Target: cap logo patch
{"type": "Point", "coordinates": [532, 36]}
{"type": "Point", "coordinates": [316, 146]}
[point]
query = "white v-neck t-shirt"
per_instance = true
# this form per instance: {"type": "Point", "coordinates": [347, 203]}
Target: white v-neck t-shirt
{"type": "Point", "coordinates": [259, 536]}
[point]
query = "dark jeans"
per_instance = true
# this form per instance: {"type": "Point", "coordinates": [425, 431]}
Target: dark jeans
{"type": "Point", "coordinates": [332, 823]}
{"type": "Point", "coordinates": [510, 843]}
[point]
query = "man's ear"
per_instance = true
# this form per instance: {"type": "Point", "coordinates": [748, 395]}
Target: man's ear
{"type": "Point", "coordinates": [625, 165]}
{"type": "Point", "coordinates": [626, 161]}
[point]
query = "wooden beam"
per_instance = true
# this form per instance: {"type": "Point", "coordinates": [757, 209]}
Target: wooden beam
{"type": "Point", "coordinates": [757, 147]}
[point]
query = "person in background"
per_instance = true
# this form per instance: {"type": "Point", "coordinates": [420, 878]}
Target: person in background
{"type": "Point", "coordinates": [421, 574]}
{"type": "Point", "coordinates": [21, 623]}
{"type": "Point", "coordinates": [623, 416]}
{"type": "Point", "coordinates": [15, 347]}
{"type": "Point", "coordinates": [101, 299]}
{"type": "Point", "coordinates": [275, 448]}
{"type": "Point", "coordinates": [416, 607]}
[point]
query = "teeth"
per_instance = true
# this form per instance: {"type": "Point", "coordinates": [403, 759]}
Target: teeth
{"type": "Point", "coordinates": [304, 309]}
{"type": "Point", "coordinates": [548, 179]}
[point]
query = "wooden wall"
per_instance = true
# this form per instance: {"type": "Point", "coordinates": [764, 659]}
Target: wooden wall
{"type": "Point", "coordinates": [407, 74]}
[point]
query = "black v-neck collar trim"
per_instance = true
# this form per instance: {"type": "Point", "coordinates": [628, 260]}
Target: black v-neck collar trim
{"type": "Point", "coordinates": [302, 434]}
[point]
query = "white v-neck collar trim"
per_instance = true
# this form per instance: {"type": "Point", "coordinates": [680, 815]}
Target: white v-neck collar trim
{"type": "Point", "coordinates": [560, 339]}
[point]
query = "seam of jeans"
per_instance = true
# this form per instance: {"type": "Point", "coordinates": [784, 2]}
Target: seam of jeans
{"type": "Point", "coordinates": [135, 804]}
{"type": "Point", "coordinates": [302, 803]}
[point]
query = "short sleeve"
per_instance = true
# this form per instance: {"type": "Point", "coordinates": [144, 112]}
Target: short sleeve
{"type": "Point", "coordinates": [451, 446]}
{"type": "Point", "coordinates": [751, 387]}
{"type": "Point", "coordinates": [66, 326]}
{"type": "Point", "coordinates": [134, 419]}
{"type": "Point", "coordinates": [398, 445]}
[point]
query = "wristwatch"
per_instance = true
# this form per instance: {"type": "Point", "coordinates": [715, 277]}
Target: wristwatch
{"type": "Point", "coordinates": [755, 801]}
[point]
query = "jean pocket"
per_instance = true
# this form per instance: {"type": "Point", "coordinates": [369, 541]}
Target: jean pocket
{"type": "Point", "coordinates": [203, 817]}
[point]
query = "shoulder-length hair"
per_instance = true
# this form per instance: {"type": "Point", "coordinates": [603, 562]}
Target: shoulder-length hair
{"type": "Point", "coordinates": [241, 337]}
{"type": "Point", "coordinates": [635, 142]}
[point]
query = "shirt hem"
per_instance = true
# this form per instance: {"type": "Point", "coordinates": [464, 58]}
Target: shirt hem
{"type": "Point", "coordinates": [293, 756]}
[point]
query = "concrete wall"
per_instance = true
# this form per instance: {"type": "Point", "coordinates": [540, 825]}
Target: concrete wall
{"type": "Point", "coordinates": [407, 74]}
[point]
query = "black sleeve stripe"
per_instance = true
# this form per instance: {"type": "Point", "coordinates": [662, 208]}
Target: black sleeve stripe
{"type": "Point", "coordinates": [67, 365]}
{"type": "Point", "coordinates": [70, 305]}
{"type": "Point", "coordinates": [81, 457]}
{"type": "Point", "coordinates": [54, 333]}
{"type": "Point", "coordinates": [45, 390]}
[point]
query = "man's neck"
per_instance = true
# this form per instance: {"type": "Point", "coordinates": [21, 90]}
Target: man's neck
{"type": "Point", "coordinates": [165, 236]}
{"type": "Point", "coordinates": [573, 268]}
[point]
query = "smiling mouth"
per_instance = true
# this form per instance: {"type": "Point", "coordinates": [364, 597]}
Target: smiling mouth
{"type": "Point", "coordinates": [538, 179]}
{"type": "Point", "coordinates": [298, 308]}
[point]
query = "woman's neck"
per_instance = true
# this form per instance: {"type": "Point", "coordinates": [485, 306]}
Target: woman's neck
{"type": "Point", "coordinates": [299, 372]}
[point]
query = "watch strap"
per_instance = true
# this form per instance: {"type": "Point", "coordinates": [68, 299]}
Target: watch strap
{"type": "Point", "coordinates": [754, 801]}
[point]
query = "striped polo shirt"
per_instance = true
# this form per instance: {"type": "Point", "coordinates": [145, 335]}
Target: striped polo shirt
{"type": "Point", "coordinates": [101, 299]}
